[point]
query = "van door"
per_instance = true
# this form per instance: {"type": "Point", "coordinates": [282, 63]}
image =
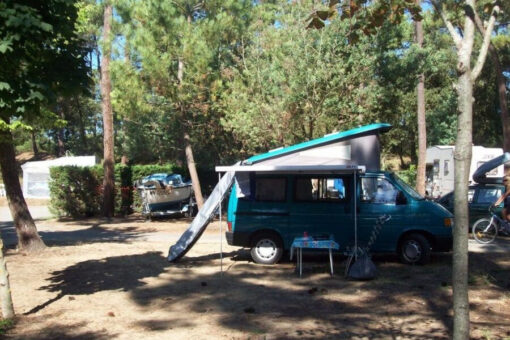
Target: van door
{"type": "Point", "coordinates": [322, 207]}
{"type": "Point", "coordinates": [265, 208]}
{"type": "Point", "coordinates": [379, 196]}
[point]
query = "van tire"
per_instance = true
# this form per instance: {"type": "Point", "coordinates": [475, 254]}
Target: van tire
{"type": "Point", "coordinates": [267, 248]}
{"type": "Point", "coordinates": [414, 249]}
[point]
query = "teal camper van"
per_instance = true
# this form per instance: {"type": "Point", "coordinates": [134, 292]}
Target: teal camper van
{"type": "Point", "coordinates": [331, 187]}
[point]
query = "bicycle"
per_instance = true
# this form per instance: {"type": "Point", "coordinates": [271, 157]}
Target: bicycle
{"type": "Point", "coordinates": [486, 230]}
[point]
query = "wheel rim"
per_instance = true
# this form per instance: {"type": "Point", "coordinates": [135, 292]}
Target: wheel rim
{"type": "Point", "coordinates": [484, 232]}
{"type": "Point", "coordinates": [412, 251]}
{"type": "Point", "coordinates": [266, 249]}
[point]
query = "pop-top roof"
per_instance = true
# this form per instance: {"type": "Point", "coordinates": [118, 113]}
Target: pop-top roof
{"type": "Point", "coordinates": [356, 149]}
{"type": "Point", "coordinates": [327, 139]}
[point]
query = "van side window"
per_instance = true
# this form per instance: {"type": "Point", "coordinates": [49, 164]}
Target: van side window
{"type": "Point", "coordinates": [270, 189]}
{"type": "Point", "coordinates": [378, 191]}
{"type": "Point", "coordinates": [321, 189]}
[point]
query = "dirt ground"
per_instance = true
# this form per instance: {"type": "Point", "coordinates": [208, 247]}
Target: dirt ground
{"type": "Point", "coordinates": [120, 286]}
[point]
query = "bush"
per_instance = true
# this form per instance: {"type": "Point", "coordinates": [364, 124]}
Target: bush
{"type": "Point", "coordinates": [74, 191]}
{"type": "Point", "coordinates": [409, 175]}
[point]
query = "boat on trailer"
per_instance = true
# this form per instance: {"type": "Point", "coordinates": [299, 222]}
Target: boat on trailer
{"type": "Point", "coordinates": [165, 194]}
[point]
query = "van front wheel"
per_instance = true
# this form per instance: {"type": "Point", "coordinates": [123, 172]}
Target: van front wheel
{"type": "Point", "coordinates": [266, 248]}
{"type": "Point", "coordinates": [415, 249]}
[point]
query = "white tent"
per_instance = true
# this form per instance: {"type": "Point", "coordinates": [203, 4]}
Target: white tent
{"type": "Point", "coordinates": [36, 175]}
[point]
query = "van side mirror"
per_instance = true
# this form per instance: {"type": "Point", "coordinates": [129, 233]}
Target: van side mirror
{"type": "Point", "coordinates": [401, 199]}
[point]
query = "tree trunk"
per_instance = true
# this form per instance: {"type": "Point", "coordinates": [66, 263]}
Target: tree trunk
{"type": "Point", "coordinates": [462, 155]}
{"type": "Point", "coordinates": [108, 141]}
{"type": "Point", "coordinates": [83, 135]}
{"type": "Point", "coordinates": [505, 119]}
{"type": "Point", "coordinates": [35, 150]}
{"type": "Point", "coordinates": [5, 287]}
{"type": "Point", "coordinates": [193, 171]}
{"type": "Point", "coordinates": [190, 160]}
{"type": "Point", "coordinates": [463, 150]}
{"type": "Point", "coordinates": [28, 238]}
{"type": "Point", "coordinates": [422, 129]}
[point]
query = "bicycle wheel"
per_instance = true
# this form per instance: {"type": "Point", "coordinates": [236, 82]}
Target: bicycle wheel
{"type": "Point", "coordinates": [485, 231]}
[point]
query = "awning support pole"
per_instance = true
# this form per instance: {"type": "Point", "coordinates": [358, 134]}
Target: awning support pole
{"type": "Point", "coordinates": [355, 217]}
{"type": "Point", "coordinates": [221, 234]}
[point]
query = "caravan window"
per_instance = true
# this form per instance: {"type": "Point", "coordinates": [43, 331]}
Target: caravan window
{"type": "Point", "coordinates": [446, 170]}
{"type": "Point", "coordinates": [316, 188]}
{"type": "Point", "coordinates": [271, 189]}
{"type": "Point", "coordinates": [436, 167]}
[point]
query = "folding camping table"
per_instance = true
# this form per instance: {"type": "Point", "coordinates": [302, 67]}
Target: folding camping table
{"type": "Point", "coordinates": [300, 243]}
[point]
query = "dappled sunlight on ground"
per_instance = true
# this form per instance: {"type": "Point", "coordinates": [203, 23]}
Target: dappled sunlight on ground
{"type": "Point", "coordinates": [121, 286]}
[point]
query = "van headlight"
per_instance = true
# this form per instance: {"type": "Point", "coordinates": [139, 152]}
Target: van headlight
{"type": "Point", "coordinates": [448, 222]}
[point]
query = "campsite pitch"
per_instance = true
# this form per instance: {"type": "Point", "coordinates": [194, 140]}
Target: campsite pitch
{"type": "Point", "coordinates": [111, 280]}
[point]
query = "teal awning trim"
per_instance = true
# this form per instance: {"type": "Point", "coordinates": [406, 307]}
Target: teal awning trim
{"type": "Point", "coordinates": [328, 139]}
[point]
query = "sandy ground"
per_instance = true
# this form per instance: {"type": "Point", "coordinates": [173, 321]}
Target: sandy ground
{"type": "Point", "coordinates": [103, 279]}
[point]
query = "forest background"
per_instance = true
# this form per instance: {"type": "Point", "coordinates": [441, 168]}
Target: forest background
{"type": "Point", "coordinates": [255, 79]}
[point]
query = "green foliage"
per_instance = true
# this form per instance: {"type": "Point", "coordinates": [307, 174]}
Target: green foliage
{"type": "Point", "coordinates": [293, 84]}
{"type": "Point", "coordinates": [74, 191]}
{"type": "Point", "coordinates": [40, 55]}
{"type": "Point", "coordinates": [253, 79]}
{"type": "Point", "coordinates": [409, 175]}
{"type": "Point", "coordinates": [5, 325]}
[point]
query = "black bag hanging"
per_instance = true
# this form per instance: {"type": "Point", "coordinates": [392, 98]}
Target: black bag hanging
{"type": "Point", "coordinates": [363, 268]}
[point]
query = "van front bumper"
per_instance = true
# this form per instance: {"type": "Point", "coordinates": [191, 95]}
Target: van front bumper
{"type": "Point", "coordinates": [443, 243]}
{"type": "Point", "coordinates": [238, 239]}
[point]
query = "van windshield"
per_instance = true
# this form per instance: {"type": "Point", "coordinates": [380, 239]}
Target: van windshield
{"type": "Point", "coordinates": [407, 188]}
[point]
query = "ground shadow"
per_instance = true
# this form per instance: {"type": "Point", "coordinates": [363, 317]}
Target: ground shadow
{"type": "Point", "coordinates": [245, 304]}
{"type": "Point", "coordinates": [59, 332]}
{"type": "Point", "coordinates": [93, 234]}
{"type": "Point", "coordinates": [111, 273]}
{"type": "Point", "coordinates": [257, 299]}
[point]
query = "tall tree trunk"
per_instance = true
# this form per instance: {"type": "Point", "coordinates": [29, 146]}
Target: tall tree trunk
{"type": "Point", "coordinates": [5, 287]}
{"type": "Point", "coordinates": [463, 150]}
{"type": "Point", "coordinates": [83, 136]}
{"type": "Point", "coordinates": [193, 171]}
{"type": "Point", "coordinates": [462, 156]}
{"type": "Point", "coordinates": [422, 128]}
{"type": "Point", "coordinates": [35, 150]}
{"type": "Point", "coordinates": [108, 141]}
{"type": "Point", "coordinates": [61, 151]}
{"type": "Point", "coordinates": [188, 149]}
{"type": "Point", "coordinates": [28, 238]}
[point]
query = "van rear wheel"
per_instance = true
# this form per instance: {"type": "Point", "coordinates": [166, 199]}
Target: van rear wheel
{"type": "Point", "coordinates": [415, 249]}
{"type": "Point", "coordinates": [266, 248]}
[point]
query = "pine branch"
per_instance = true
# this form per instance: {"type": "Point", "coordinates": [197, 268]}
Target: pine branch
{"type": "Point", "coordinates": [486, 40]}
{"type": "Point", "coordinates": [457, 39]}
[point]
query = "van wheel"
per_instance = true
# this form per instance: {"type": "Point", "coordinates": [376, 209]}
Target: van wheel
{"type": "Point", "coordinates": [266, 248]}
{"type": "Point", "coordinates": [414, 249]}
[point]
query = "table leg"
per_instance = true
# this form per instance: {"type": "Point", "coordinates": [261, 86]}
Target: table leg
{"type": "Point", "coordinates": [300, 262]}
{"type": "Point", "coordinates": [331, 261]}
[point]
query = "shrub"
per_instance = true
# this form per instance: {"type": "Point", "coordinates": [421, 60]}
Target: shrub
{"type": "Point", "coordinates": [74, 191]}
{"type": "Point", "coordinates": [409, 175]}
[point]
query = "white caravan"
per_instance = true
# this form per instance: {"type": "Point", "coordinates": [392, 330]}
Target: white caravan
{"type": "Point", "coordinates": [440, 163]}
